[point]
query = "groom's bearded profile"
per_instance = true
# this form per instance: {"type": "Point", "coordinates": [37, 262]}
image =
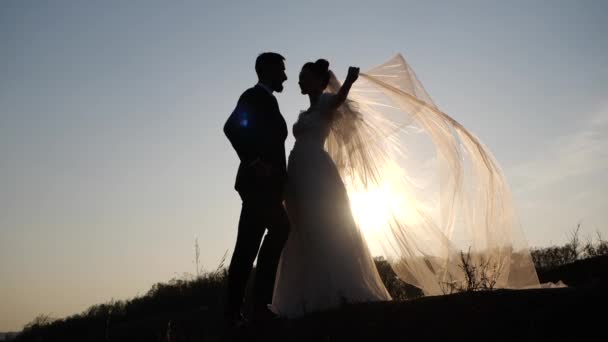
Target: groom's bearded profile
{"type": "Point", "coordinates": [257, 131]}
{"type": "Point", "coordinates": [271, 70]}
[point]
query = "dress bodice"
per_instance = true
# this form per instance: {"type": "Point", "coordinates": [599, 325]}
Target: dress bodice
{"type": "Point", "coordinates": [313, 125]}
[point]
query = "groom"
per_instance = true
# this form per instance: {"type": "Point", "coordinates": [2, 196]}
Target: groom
{"type": "Point", "coordinates": [257, 131]}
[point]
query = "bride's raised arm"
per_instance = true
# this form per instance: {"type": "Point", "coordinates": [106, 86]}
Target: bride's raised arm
{"type": "Point", "coordinates": [340, 97]}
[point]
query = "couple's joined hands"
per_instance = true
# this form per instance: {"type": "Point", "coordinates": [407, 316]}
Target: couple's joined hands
{"type": "Point", "coordinates": [261, 169]}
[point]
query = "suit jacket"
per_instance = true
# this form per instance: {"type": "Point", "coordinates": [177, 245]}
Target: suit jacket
{"type": "Point", "coordinates": [256, 129]}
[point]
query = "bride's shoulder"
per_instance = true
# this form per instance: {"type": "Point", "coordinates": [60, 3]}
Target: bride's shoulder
{"type": "Point", "coordinates": [327, 101]}
{"type": "Point", "coordinates": [327, 98]}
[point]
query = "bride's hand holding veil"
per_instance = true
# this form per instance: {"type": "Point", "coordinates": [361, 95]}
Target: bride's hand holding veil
{"type": "Point", "coordinates": [353, 74]}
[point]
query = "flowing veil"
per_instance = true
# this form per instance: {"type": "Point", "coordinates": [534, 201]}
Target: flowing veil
{"type": "Point", "coordinates": [427, 194]}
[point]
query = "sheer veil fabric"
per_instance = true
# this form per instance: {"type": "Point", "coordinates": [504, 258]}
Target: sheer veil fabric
{"type": "Point", "coordinates": [426, 193]}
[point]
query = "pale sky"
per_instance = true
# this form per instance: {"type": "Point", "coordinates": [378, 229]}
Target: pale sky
{"type": "Point", "coordinates": [112, 157]}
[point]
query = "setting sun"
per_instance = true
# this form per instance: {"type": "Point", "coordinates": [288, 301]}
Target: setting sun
{"type": "Point", "coordinates": [374, 206]}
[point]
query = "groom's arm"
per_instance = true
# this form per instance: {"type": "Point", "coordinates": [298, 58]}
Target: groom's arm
{"type": "Point", "coordinates": [241, 129]}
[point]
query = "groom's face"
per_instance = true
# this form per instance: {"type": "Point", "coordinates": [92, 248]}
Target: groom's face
{"type": "Point", "coordinates": [278, 77]}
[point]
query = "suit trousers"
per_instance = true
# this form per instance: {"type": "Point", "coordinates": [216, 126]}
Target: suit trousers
{"type": "Point", "coordinates": [258, 214]}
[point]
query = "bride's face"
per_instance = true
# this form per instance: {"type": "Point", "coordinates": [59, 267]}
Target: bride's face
{"type": "Point", "coordinates": [309, 84]}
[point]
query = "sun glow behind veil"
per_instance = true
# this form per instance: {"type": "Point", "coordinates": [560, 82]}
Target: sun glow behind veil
{"type": "Point", "coordinates": [422, 187]}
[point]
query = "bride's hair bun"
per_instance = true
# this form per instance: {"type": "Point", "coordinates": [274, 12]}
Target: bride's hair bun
{"type": "Point", "coordinates": [320, 69]}
{"type": "Point", "coordinates": [322, 65]}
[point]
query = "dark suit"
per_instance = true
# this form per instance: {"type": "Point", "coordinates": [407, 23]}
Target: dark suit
{"type": "Point", "coordinates": [256, 129]}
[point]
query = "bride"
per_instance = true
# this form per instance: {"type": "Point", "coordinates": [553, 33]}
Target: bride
{"type": "Point", "coordinates": [325, 260]}
{"type": "Point", "coordinates": [378, 169]}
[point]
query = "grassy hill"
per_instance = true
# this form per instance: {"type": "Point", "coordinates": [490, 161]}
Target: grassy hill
{"type": "Point", "coordinates": [190, 310]}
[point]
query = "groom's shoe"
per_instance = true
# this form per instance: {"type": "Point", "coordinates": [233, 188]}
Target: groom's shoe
{"type": "Point", "coordinates": [235, 329]}
{"type": "Point", "coordinates": [264, 315]}
{"type": "Point", "coordinates": [235, 321]}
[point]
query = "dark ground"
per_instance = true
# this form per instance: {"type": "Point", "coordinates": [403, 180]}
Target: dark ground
{"type": "Point", "coordinates": [523, 315]}
{"type": "Point", "coordinates": [576, 313]}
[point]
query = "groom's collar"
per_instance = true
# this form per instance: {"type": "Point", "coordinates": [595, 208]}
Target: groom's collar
{"type": "Point", "coordinates": [265, 87]}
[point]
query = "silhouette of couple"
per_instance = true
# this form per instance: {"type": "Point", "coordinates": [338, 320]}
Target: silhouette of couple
{"type": "Point", "coordinates": [422, 203]}
{"type": "Point", "coordinates": [313, 256]}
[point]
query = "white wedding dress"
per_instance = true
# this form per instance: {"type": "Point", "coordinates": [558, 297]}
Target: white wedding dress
{"type": "Point", "coordinates": [326, 261]}
{"type": "Point", "coordinates": [389, 174]}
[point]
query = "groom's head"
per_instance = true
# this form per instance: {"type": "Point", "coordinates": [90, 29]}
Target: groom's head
{"type": "Point", "coordinates": [271, 70]}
